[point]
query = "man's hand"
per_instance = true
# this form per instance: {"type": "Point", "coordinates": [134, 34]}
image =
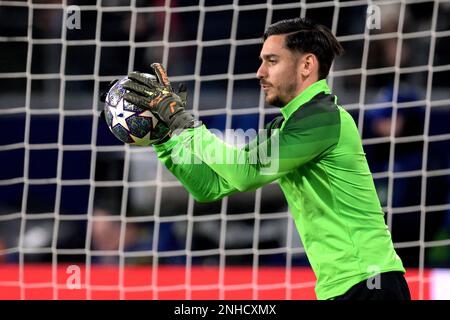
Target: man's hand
{"type": "Point", "coordinates": [160, 98]}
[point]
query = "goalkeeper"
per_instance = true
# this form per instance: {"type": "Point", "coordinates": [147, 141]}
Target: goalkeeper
{"type": "Point", "coordinates": [319, 162]}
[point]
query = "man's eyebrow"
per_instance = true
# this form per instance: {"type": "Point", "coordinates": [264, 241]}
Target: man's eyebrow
{"type": "Point", "coordinates": [268, 56]}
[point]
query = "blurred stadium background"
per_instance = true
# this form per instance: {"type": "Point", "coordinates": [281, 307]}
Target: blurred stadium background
{"type": "Point", "coordinates": [73, 195]}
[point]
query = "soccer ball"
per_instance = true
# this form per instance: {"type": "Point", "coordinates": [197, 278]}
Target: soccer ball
{"type": "Point", "coordinates": [129, 123]}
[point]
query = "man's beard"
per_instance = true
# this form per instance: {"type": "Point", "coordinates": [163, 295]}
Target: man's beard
{"type": "Point", "coordinates": [277, 102]}
{"type": "Point", "coordinates": [280, 103]}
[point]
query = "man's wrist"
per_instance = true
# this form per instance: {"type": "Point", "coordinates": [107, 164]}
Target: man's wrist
{"type": "Point", "coordinates": [182, 120]}
{"type": "Point", "coordinates": [163, 140]}
{"type": "Point", "coordinates": [165, 143]}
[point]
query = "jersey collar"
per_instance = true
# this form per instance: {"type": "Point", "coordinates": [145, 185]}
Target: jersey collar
{"type": "Point", "coordinates": [305, 96]}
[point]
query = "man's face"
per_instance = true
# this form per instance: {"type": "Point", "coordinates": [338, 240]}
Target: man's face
{"type": "Point", "coordinates": [278, 71]}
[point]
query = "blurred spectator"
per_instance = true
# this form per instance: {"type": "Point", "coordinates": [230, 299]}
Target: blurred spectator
{"type": "Point", "coordinates": [107, 233]}
{"type": "Point", "coordinates": [408, 122]}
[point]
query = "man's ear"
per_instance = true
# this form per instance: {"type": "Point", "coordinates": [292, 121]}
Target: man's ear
{"type": "Point", "coordinates": [308, 64]}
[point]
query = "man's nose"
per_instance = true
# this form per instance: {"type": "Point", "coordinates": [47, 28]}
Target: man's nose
{"type": "Point", "coordinates": [260, 73]}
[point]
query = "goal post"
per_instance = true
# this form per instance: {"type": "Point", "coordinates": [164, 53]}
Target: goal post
{"type": "Point", "coordinates": [74, 201]}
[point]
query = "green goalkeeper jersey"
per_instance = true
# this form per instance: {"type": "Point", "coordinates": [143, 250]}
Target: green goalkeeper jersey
{"type": "Point", "coordinates": [314, 152]}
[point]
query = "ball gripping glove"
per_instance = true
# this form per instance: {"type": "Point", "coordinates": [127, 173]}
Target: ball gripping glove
{"type": "Point", "coordinates": [159, 97]}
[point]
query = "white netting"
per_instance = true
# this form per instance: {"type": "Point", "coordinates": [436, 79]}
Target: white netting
{"type": "Point", "coordinates": [72, 195]}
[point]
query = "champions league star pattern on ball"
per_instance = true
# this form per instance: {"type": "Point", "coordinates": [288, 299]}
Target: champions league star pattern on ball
{"type": "Point", "coordinates": [131, 124]}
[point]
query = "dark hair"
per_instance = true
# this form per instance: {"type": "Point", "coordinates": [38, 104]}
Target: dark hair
{"type": "Point", "coordinates": [306, 36]}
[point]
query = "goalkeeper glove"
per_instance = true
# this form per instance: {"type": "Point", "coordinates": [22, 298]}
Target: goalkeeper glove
{"type": "Point", "coordinates": [160, 98]}
{"type": "Point", "coordinates": [161, 136]}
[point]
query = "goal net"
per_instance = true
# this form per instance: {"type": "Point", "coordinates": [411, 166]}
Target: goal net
{"type": "Point", "coordinates": [83, 216]}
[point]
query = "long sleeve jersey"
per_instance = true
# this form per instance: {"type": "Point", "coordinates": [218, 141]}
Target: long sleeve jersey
{"type": "Point", "coordinates": [314, 151]}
